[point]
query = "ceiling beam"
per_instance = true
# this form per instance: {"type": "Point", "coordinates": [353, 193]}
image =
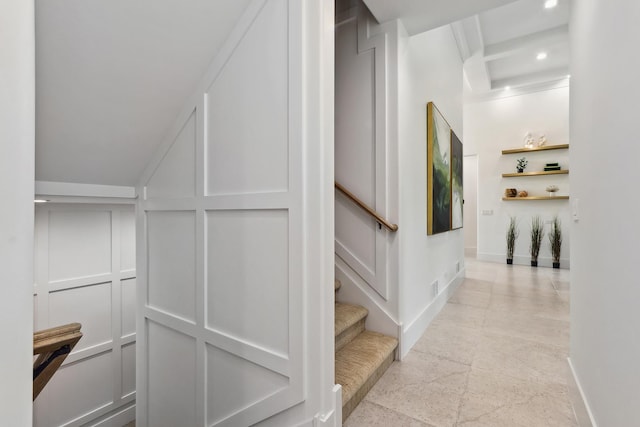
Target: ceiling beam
{"type": "Point", "coordinates": [542, 39]}
{"type": "Point", "coordinates": [531, 78]}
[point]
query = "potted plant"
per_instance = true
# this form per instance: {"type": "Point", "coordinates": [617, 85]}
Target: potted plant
{"type": "Point", "coordinates": [521, 164]}
{"type": "Point", "coordinates": [512, 235]}
{"type": "Point", "coordinates": [555, 241]}
{"type": "Point", "coordinates": [537, 233]}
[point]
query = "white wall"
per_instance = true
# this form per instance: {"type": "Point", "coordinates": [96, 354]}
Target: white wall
{"type": "Point", "coordinates": [366, 164]}
{"type": "Point", "coordinates": [430, 69]}
{"type": "Point", "coordinates": [235, 232]}
{"type": "Point", "coordinates": [470, 174]}
{"type": "Point", "coordinates": [494, 125]}
{"type": "Point", "coordinates": [17, 121]}
{"type": "Point", "coordinates": [604, 276]}
{"type": "Point", "coordinates": [85, 272]}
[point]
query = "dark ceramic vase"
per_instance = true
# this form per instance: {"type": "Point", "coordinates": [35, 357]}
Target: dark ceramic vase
{"type": "Point", "coordinates": [556, 265]}
{"type": "Point", "coordinates": [509, 261]}
{"type": "Point", "coordinates": [534, 263]}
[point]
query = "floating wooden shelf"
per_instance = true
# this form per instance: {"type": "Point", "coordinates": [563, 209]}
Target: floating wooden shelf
{"type": "Point", "coordinates": [528, 150]}
{"type": "Point", "coordinates": [509, 199]}
{"type": "Point", "coordinates": [511, 175]}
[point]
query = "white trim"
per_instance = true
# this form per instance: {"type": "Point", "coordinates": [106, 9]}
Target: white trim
{"type": "Point", "coordinates": [334, 417]}
{"type": "Point", "coordinates": [72, 189]}
{"type": "Point", "coordinates": [498, 93]}
{"type": "Point", "coordinates": [417, 326]}
{"type": "Point", "coordinates": [119, 418]}
{"type": "Point", "coordinates": [581, 409]}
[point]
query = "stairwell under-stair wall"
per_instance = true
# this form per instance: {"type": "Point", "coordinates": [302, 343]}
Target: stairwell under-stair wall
{"type": "Point", "coordinates": [384, 79]}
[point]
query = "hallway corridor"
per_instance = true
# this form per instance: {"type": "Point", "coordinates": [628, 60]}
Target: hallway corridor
{"type": "Point", "coordinates": [495, 356]}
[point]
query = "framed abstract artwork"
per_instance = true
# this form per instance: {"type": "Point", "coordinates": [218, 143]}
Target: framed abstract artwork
{"type": "Point", "coordinates": [438, 172]}
{"type": "Point", "coordinates": [456, 182]}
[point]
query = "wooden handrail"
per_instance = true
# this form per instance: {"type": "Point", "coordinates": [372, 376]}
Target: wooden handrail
{"type": "Point", "coordinates": [370, 211]}
{"type": "Point", "coordinates": [52, 346]}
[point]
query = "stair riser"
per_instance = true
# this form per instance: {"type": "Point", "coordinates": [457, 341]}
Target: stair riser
{"type": "Point", "coordinates": [349, 334]}
{"type": "Point", "coordinates": [349, 406]}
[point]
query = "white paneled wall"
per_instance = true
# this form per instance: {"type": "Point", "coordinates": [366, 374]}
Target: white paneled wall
{"type": "Point", "coordinates": [85, 272]}
{"type": "Point", "coordinates": [365, 160]}
{"type": "Point", "coordinates": [235, 311]}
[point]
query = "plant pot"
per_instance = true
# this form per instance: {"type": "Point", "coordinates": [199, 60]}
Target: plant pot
{"type": "Point", "coordinates": [520, 170]}
{"type": "Point", "coordinates": [534, 263]}
{"type": "Point", "coordinates": [556, 264]}
{"type": "Point", "coordinates": [510, 261]}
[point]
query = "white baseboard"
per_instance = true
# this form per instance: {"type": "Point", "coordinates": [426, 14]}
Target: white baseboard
{"type": "Point", "coordinates": [415, 329]}
{"type": "Point", "coordinates": [522, 260]}
{"type": "Point", "coordinates": [118, 418]}
{"type": "Point", "coordinates": [581, 409]}
{"type": "Point", "coordinates": [334, 418]}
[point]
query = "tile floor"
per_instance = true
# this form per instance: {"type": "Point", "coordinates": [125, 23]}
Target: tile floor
{"type": "Point", "coordinates": [495, 356]}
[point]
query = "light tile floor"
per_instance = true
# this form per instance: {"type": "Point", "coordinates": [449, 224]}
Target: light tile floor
{"type": "Point", "coordinates": [495, 356]}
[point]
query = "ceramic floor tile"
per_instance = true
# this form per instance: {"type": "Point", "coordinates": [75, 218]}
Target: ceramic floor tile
{"type": "Point", "coordinates": [524, 289]}
{"type": "Point", "coordinates": [498, 400]}
{"type": "Point", "coordinates": [369, 414]}
{"type": "Point", "coordinates": [450, 342]}
{"type": "Point", "coordinates": [521, 358]}
{"type": "Point", "coordinates": [461, 315]}
{"type": "Point", "coordinates": [471, 297]}
{"type": "Point", "coordinates": [537, 305]}
{"type": "Point", "coordinates": [495, 356]}
{"type": "Point", "coordinates": [423, 387]}
{"type": "Point", "coordinates": [476, 285]}
{"type": "Point", "coordinates": [548, 331]}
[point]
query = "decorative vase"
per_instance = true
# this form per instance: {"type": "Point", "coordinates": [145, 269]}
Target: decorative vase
{"type": "Point", "coordinates": [534, 263]}
{"type": "Point", "coordinates": [556, 264]}
{"type": "Point", "coordinates": [510, 261]}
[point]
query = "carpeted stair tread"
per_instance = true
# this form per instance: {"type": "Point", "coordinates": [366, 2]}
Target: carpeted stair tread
{"type": "Point", "coordinates": [336, 285]}
{"type": "Point", "coordinates": [360, 364]}
{"type": "Point", "coordinates": [347, 315]}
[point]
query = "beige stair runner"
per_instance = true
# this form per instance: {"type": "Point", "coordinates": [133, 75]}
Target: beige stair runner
{"type": "Point", "coordinates": [361, 356]}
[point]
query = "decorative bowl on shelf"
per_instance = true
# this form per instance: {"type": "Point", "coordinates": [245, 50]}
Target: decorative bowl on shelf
{"type": "Point", "coordinates": [552, 189]}
{"type": "Point", "coordinates": [522, 193]}
{"type": "Point", "coordinates": [510, 192]}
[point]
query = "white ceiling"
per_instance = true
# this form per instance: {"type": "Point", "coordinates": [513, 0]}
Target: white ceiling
{"type": "Point", "coordinates": [498, 39]}
{"type": "Point", "coordinates": [499, 46]}
{"type": "Point", "coordinates": [111, 77]}
{"type": "Point", "coordinates": [419, 16]}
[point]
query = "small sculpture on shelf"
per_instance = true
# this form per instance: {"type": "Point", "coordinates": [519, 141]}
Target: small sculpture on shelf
{"type": "Point", "coordinates": [542, 140]}
{"type": "Point", "coordinates": [528, 140]}
{"type": "Point", "coordinates": [551, 189]}
{"type": "Point", "coordinates": [521, 164]}
{"type": "Point", "coordinates": [522, 193]}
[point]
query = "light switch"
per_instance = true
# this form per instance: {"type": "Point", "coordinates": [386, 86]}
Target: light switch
{"type": "Point", "coordinates": [487, 212]}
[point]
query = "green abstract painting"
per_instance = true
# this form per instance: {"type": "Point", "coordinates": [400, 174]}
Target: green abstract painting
{"type": "Point", "coordinates": [456, 181]}
{"type": "Point", "coordinates": [438, 172]}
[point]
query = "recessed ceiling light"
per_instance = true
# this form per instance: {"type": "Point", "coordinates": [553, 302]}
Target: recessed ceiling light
{"type": "Point", "coordinates": [568, 76]}
{"type": "Point", "coordinates": [541, 56]}
{"type": "Point", "coordinates": [507, 88]}
{"type": "Point", "coordinates": [550, 3]}
{"type": "Point", "coordinates": [40, 201]}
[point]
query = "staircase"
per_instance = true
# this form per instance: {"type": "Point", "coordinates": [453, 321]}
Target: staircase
{"type": "Point", "coordinates": [361, 356]}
